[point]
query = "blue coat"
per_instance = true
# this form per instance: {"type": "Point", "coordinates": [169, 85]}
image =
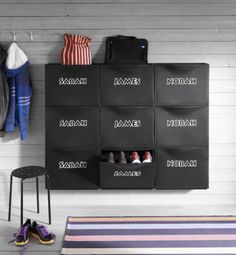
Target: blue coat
{"type": "Point", "coordinates": [20, 98]}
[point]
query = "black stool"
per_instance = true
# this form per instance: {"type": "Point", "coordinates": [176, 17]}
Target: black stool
{"type": "Point", "coordinates": [26, 173]}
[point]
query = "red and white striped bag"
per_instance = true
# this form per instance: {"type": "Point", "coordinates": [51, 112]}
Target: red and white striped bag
{"type": "Point", "coordinates": [76, 50]}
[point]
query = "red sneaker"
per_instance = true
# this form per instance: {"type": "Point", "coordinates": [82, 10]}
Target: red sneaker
{"type": "Point", "coordinates": [147, 157]}
{"type": "Point", "coordinates": [135, 158]}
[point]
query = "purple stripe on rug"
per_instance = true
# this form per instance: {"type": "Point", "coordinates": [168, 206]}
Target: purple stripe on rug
{"type": "Point", "coordinates": [149, 231]}
{"type": "Point", "coordinates": [144, 217]}
{"type": "Point", "coordinates": [150, 222]}
{"type": "Point", "coordinates": [148, 244]}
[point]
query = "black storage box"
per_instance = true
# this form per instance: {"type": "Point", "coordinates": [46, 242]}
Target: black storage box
{"type": "Point", "coordinates": [182, 126]}
{"type": "Point", "coordinates": [182, 84]}
{"type": "Point", "coordinates": [72, 85]}
{"type": "Point", "coordinates": [72, 126]}
{"type": "Point", "coordinates": [127, 176]}
{"type": "Point", "coordinates": [72, 168]}
{"type": "Point", "coordinates": [123, 127]}
{"type": "Point", "coordinates": [127, 85]}
{"type": "Point", "coordinates": [182, 168]}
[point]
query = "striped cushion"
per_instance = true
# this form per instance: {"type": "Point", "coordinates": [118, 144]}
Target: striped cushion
{"type": "Point", "coordinates": [150, 235]}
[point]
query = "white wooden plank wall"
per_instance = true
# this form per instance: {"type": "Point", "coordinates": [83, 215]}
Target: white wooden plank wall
{"type": "Point", "coordinates": [178, 31]}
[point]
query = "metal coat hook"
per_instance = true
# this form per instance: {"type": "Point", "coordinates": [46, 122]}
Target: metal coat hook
{"type": "Point", "coordinates": [14, 36]}
{"type": "Point", "coordinates": [31, 36]}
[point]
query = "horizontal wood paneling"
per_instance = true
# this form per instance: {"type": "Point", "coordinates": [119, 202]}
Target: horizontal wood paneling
{"type": "Point", "coordinates": [117, 9]}
{"type": "Point", "coordinates": [193, 22]}
{"type": "Point", "coordinates": [99, 35]}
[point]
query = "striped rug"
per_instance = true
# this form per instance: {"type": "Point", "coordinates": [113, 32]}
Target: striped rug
{"type": "Point", "coordinates": [150, 235]}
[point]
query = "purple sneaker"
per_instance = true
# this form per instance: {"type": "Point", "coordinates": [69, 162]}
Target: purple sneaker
{"type": "Point", "coordinates": [40, 232]}
{"type": "Point", "coordinates": [22, 237]}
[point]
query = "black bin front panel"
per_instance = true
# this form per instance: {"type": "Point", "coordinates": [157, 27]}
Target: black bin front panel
{"type": "Point", "coordinates": [72, 85]}
{"type": "Point", "coordinates": [182, 126]}
{"type": "Point", "coordinates": [72, 126]}
{"type": "Point", "coordinates": [182, 168]}
{"type": "Point", "coordinates": [72, 168]}
{"type": "Point", "coordinates": [124, 127]}
{"type": "Point", "coordinates": [127, 176]}
{"type": "Point", "coordinates": [127, 84]}
{"type": "Point", "coordinates": [182, 84]}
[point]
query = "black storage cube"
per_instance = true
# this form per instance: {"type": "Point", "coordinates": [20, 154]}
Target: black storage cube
{"type": "Point", "coordinates": [72, 126]}
{"type": "Point", "coordinates": [123, 127]}
{"type": "Point", "coordinates": [182, 126]}
{"type": "Point", "coordinates": [182, 168]}
{"type": "Point", "coordinates": [182, 84]}
{"type": "Point", "coordinates": [127, 84]}
{"type": "Point", "coordinates": [72, 85]}
{"type": "Point", "coordinates": [72, 168]}
{"type": "Point", "coordinates": [127, 176]}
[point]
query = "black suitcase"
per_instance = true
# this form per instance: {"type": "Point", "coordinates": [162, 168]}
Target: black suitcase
{"type": "Point", "coordinates": [126, 50]}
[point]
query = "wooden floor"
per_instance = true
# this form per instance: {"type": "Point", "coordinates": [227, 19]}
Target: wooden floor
{"type": "Point", "coordinates": [59, 215]}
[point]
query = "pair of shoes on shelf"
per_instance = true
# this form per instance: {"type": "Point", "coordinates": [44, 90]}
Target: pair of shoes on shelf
{"type": "Point", "coordinates": [37, 231]}
{"type": "Point", "coordinates": [147, 158]}
{"type": "Point", "coordinates": [122, 158]}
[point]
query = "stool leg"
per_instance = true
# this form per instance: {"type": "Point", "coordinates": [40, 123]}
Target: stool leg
{"type": "Point", "coordinates": [21, 203]}
{"type": "Point", "coordinates": [37, 193]}
{"type": "Point", "coordinates": [49, 202]}
{"type": "Point", "coordinates": [10, 198]}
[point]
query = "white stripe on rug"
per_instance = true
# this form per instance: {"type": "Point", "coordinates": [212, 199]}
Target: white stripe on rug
{"type": "Point", "coordinates": [194, 250]}
{"type": "Point", "coordinates": [152, 226]}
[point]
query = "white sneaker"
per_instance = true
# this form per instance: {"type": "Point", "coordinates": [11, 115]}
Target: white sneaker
{"type": "Point", "coordinates": [147, 157]}
{"type": "Point", "coordinates": [135, 158]}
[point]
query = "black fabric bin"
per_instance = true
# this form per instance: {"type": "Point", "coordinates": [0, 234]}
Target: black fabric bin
{"type": "Point", "coordinates": [96, 109]}
{"type": "Point", "coordinates": [72, 85]}
{"type": "Point", "coordinates": [181, 126]}
{"type": "Point", "coordinates": [72, 168]}
{"type": "Point", "coordinates": [127, 85]}
{"type": "Point", "coordinates": [182, 168]}
{"type": "Point", "coordinates": [182, 84]}
{"type": "Point", "coordinates": [123, 127]}
{"type": "Point", "coordinates": [72, 126]}
{"type": "Point", "coordinates": [127, 176]}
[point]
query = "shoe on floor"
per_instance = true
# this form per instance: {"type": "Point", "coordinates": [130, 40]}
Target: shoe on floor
{"type": "Point", "coordinates": [147, 157]}
{"type": "Point", "coordinates": [111, 158]}
{"type": "Point", "coordinates": [40, 232]}
{"type": "Point", "coordinates": [122, 159]}
{"type": "Point", "coordinates": [22, 237]}
{"type": "Point", "coordinates": [135, 158]}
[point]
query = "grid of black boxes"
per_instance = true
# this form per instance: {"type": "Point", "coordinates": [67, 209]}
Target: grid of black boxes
{"type": "Point", "coordinates": [94, 109]}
